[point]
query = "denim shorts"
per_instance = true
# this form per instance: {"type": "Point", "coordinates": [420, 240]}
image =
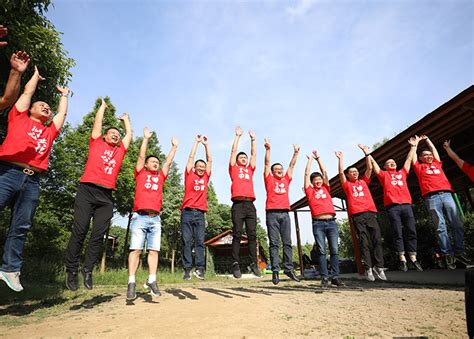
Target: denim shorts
{"type": "Point", "coordinates": [145, 227]}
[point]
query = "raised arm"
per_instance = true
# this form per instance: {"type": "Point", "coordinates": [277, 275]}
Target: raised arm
{"type": "Point", "coordinates": [322, 168]}
{"type": "Point", "coordinates": [307, 172]}
{"type": "Point", "coordinates": [99, 116]}
{"type": "Point", "coordinates": [24, 101]}
{"type": "Point", "coordinates": [375, 166]}
{"type": "Point", "coordinates": [60, 117]}
{"type": "Point", "coordinates": [142, 153]}
{"type": "Point", "coordinates": [452, 154]}
{"type": "Point", "coordinates": [267, 156]}
{"type": "Point", "coordinates": [205, 142]}
{"type": "Point", "coordinates": [291, 166]}
{"type": "Point", "coordinates": [170, 157]}
{"type": "Point", "coordinates": [235, 145]}
{"type": "Point", "coordinates": [340, 167]}
{"type": "Point", "coordinates": [18, 62]}
{"type": "Point", "coordinates": [253, 149]}
{"type": "Point", "coordinates": [432, 147]}
{"type": "Point", "coordinates": [416, 139]}
{"type": "Point", "coordinates": [127, 139]}
{"type": "Point", "coordinates": [368, 162]}
{"type": "Point", "coordinates": [413, 141]}
{"type": "Point", "coordinates": [190, 163]}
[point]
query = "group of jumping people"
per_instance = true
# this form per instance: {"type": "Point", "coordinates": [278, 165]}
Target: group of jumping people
{"type": "Point", "coordinates": [24, 158]}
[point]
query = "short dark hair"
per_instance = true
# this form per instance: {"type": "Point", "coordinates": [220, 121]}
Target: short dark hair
{"type": "Point", "coordinates": [314, 175]}
{"type": "Point", "coordinates": [239, 154]}
{"type": "Point", "coordinates": [199, 160]}
{"type": "Point", "coordinates": [346, 171]}
{"type": "Point", "coordinates": [275, 164]}
{"type": "Point", "coordinates": [108, 128]}
{"type": "Point", "coordinates": [420, 152]}
{"type": "Point", "coordinates": [151, 156]}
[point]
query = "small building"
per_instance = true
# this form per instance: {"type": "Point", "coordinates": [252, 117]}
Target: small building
{"type": "Point", "coordinates": [219, 253]}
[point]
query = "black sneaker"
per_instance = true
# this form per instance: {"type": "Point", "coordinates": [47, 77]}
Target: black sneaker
{"type": "Point", "coordinates": [403, 266]}
{"type": "Point", "coordinates": [450, 262]}
{"type": "Point", "coordinates": [236, 270]}
{"type": "Point", "coordinates": [324, 283]}
{"type": "Point", "coordinates": [275, 278]}
{"type": "Point", "coordinates": [417, 266]}
{"type": "Point", "coordinates": [463, 259]}
{"type": "Point", "coordinates": [199, 273]}
{"type": "Point", "coordinates": [153, 287]}
{"type": "Point", "coordinates": [253, 268]}
{"type": "Point", "coordinates": [337, 282]}
{"type": "Point", "coordinates": [292, 275]}
{"type": "Point", "coordinates": [131, 294]}
{"type": "Point", "coordinates": [71, 281]}
{"type": "Point", "coordinates": [87, 279]}
{"type": "Point", "coordinates": [187, 274]}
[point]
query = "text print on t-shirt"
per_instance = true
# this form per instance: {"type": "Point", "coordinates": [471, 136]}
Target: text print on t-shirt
{"type": "Point", "coordinates": [357, 191]}
{"type": "Point", "coordinates": [320, 194]}
{"type": "Point", "coordinates": [432, 170]}
{"type": "Point", "coordinates": [151, 182]}
{"type": "Point", "coordinates": [199, 184]}
{"type": "Point", "coordinates": [280, 188]}
{"type": "Point", "coordinates": [41, 143]}
{"type": "Point", "coordinates": [109, 163]}
{"type": "Point", "coordinates": [396, 180]}
{"type": "Point", "coordinates": [244, 173]}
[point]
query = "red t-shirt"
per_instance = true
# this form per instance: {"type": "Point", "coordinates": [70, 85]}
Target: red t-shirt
{"type": "Point", "coordinates": [103, 163]}
{"type": "Point", "coordinates": [431, 177]}
{"type": "Point", "coordinates": [27, 141]}
{"type": "Point", "coordinates": [242, 181]}
{"type": "Point", "coordinates": [395, 188]}
{"type": "Point", "coordinates": [195, 190]}
{"type": "Point", "coordinates": [469, 170]}
{"type": "Point", "coordinates": [358, 196]}
{"type": "Point", "coordinates": [319, 200]}
{"type": "Point", "coordinates": [148, 190]}
{"type": "Point", "coordinates": [277, 192]}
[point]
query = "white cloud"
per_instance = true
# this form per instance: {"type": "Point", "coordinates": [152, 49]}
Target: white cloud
{"type": "Point", "coordinates": [301, 8]}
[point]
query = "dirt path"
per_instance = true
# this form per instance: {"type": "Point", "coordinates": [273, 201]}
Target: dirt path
{"type": "Point", "coordinates": [253, 309]}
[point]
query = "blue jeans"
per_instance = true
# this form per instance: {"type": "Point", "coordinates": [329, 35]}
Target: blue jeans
{"type": "Point", "coordinates": [441, 204]}
{"type": "Point", "coordinates": [323, 229]}
{"type": "Point", "coordinates": [279, 225]}
{"type": "Point", "coordinates": [145, 227]}
{"type": "Point", "coordinates": [21, 193]}
{"type": "Point", "coordinates": [193, 220]}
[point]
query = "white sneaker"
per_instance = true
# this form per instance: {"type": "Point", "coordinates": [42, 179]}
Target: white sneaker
{"type": "Point", "coordinates": [369, 275]}
{"type": "Point", "coordinates": [12, 279]}
{"type": "Point", "coordinates": [379, 273]}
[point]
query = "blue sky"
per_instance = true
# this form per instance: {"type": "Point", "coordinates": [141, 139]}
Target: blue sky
{"type": "Point", "coordinates": [324, 74]}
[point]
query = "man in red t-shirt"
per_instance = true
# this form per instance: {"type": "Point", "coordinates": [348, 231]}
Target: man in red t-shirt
{"type": "Point", "coordinates": [23, 156]}
{"type": "Point", "coordinates": [436, 192]}
{"type": "Point", "coordinates": [362, 210]}
{"type": "Point", "coordinates": [463, 165]}
{"type": "Point", "coordinates": [397, 202]}
{"type": "Point", "coordinates": [146, 221]}
{"type": "Point", "coordinates": [193, 208]}
{"type": "Point", "coordinates": [94, 197]}
{"type": "Point", "coordinates": [243, 210]}
{"type": "Point", "coordinates": [316, 188]}
{"type": "Point", "coordinates": [277, 185]}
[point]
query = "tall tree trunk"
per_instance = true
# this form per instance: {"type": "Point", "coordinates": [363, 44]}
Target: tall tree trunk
{"type": "Point", "coordinates": [104, 251]}
{"type": "Point", "coordinates": [125, 242]}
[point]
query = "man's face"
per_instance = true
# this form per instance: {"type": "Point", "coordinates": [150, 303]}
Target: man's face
{"type": "Point", "coordinates": [277, 171]}
{"type": "Point", "coordinates": [390, 165]}
{"type": "Point", "coordinates": [41, 111]}
{"type": "Point", "coordinates": [152, 164]}
{"type": "Point", "coordinates": [426, 157]}
{"type": "Point", "coordinates": [112, 137]}
{"type": "Point", "coordinates": [317, 181]}
{"type": "Point", "coordinates": [242, 160]}
{"type": "Point", "coordinates": [353, 174]}
{"type": "Point", "coordinates": [200, 168]}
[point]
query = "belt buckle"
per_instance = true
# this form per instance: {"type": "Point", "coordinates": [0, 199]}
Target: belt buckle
{"type": "Point", "coordinates": [28, 171]}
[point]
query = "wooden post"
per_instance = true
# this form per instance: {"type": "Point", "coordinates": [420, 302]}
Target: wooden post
{"type": "Point", "coordinates": [104, 251]}
{"type": "Point", "coordinates": [173, 251]}
{"type": "Point", "coordinates": [355, 242]}
{"type": "Point", "coordinates": [298, 242]}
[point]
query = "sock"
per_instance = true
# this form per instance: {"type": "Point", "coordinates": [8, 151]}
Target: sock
{"type": "Point", "coordinates": [402, 257]}
{"type": "Point", "coordinates": [131, 279]}
{"type": "Point", "coordinates": [151, 278]}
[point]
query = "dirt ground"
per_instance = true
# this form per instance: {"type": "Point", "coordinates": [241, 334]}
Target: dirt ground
{"type": "Point", "coordinates": [247, 308]}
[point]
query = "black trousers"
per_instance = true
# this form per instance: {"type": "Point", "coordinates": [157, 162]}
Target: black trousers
{"type": "Point", "coordinates": [369, 231]}
{"type": "Point", "coordinates": [91, 202]}
{"type": "Point", "coordinates": [402, 221]}
{"type": "Point", "coordinates": [243, 211]}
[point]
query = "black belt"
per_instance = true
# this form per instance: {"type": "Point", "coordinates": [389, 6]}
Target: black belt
{"type": "Point", "coordinates": [278, 211]}
{"type": "Point", "coordinates": [427, 195]}
{"type": "Point", "coordinates": [330, 219]}
{"type": "Point", "coordinates": [151, 214]}
{"type": "Point", "coordinates": [194, 209]}
{"type": "Point", "coordinates": [27, 171]}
